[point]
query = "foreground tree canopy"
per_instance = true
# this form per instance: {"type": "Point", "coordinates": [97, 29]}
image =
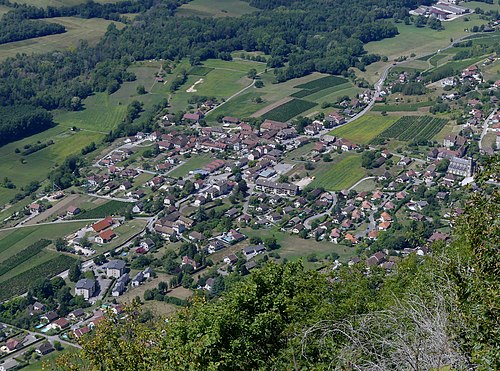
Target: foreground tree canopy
{"type": "Point", "coordinates": [432, 312]}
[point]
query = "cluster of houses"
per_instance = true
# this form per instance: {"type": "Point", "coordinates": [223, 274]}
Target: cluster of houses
{"type": "Point", "coordinates": [115, 269]}
{"type": "Point", "coordinates": [442, 10]}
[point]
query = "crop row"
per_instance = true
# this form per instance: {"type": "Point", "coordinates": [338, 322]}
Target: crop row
{"type": "Point", "coordinates": [322, 83]}
{"type": "Point", "coordinates": [23, 255]}
{"type": "Point", "coordinates": [288, 110]}
{"type": "Point", "coordinates": [23, 281]}
{"type": "Point", "coordinates": [413, 127]}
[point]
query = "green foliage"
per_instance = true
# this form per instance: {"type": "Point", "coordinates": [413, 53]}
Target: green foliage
{"type": "Point", "coordinates": [17, 122]}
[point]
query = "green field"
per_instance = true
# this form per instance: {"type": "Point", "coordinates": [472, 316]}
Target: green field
{"type": "Point", "coordinates": [14, 240]}
{"type": "Point", "coordinates": [293, 247]}
{"type": "Point", "coordinates": [224, 79]}
{"type": "Point", "coordinates": [111, 208]}
{"type": "Point", "coordinates": [76, 29]}
{"type": "Point", "coordinates": [422, 41]}
{"type": "Point", "coordinates": [408, 128]}
{"type": "Point", "coordinates": [38, 164]}
{"type": "Point", "coordinates": [364, 129]}
{"type": "Point", "coordinates": [339, 175]}
{"type": "Point", "coordinates": [200, 71]}
{"type": "Point", "coordinates": [454, 66]}
{"type": "Point", "coordinates": [289, 110]}
{"type": "Point", "coordinates": [193, 163]}
{"type": "Point", "coordinates": [103, 112]}
{"type": "Point", "coordinates": [215, 8]}
{"type": "Point", "coordinates": [401, 107]}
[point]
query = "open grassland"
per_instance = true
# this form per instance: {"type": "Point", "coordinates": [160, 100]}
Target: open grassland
{"type": "Point", "coordinates": [289, 110]}
{"type": "Point", "coordinates": [482, 5]}
{"type": "Point", "coordinates": [221, 80]}
{"type": "Point", "coordinates": [422, 41]}
{"type": "Point", "coordinates": [454, 66]}
{"type": "Point", "coordinates": [338, 175]}
{"type": "Point", "coordinates": [364, 129]}
{"type": "Point", "coordinates": [408, 128]}
{"type": "Point", "coordinates": [38, 164]}
{"type": "Point", "coordinates": [491, 71]}
{"type": "Point", "coordinates": [76, 29]}
{"type": "Point", "coordinates": [190, 164]}
{"type": "Point", "coordinates": [293, 247]}
{"type": "Point", "coordinates": [215, 8]}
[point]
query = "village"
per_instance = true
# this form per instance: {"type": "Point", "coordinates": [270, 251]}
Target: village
{"type": "Point", "coordinates": [213, 200]}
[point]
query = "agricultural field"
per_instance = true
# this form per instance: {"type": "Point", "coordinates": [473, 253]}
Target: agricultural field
{"type": "Point", "coordinates": [338, 175]}
{"type": "Point", "coordinates": [76, 29]}
{"type": "Point", "coordinates": [318, 85]}
{"type": "Point", "coordinates": [193, 163]}
{"type": "Point", "coordinates": [110, 208]}
{"type": "Point", "coordinates": [408, 128]}
{"type": "Point", "coordinates": [491, 71]}
{"type": "Point", "coordinates": [215, 8]}
{"type": "Point", "coordinates": [455, 66]}
{"type": "Point", "coordinates": [19, 283]}
{"type": "Point", "coordinates": [289, 110]}
{"type": "Point", "coordinates": [380, 107]}
{"type": "Point", "coordinates": [364, 129]}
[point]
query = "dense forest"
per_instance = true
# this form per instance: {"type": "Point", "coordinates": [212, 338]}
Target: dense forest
{"type": "Point", "coordinates": [22, 29]}
{"type": "Point", "coordinates": [17, 122]}
{"type": "Point", "coordinates": [433, 312]}
{"type": "Point", "coordinates": [309, 36]}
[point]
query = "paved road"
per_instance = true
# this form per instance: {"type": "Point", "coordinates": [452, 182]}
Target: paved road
{"type": "Point", "coordinates": [308, 221]}
{"type": "Point", "coordinates": [485, 128]}
{"type": "Point", "coordinates": [361, 181]}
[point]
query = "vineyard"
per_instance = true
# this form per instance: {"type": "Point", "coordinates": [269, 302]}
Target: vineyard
{"type": "Point", "coordinates": [20, 283]}
{"type": "Point", "coordinates": [318, 85]}
{"type": "Point", "coordinates": [288, 110]}
{"type": "Point", "coordinates": [408, 128]}
{"type": "Point", "coordinates": [22, 256]}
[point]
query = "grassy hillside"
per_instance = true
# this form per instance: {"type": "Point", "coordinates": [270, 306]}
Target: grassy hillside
{"type": "Point", "coordinates": [76, 29]}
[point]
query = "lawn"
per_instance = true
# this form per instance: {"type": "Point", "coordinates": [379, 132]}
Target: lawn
{"type": "Point", "coordinates": [193, 163]}
{"type": "Point", "coordinates": [215, 8]}
{"type": "Point", "coordinates": [289, 110]}
{"type": "Point", "coordinates": [124, 233]}
{"type": "Point", "coordinates": [364, 129]}
{"type": "Point", "coordinates": [77, 29]}
{"type": "Point", "coordinates": [338, 175]}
